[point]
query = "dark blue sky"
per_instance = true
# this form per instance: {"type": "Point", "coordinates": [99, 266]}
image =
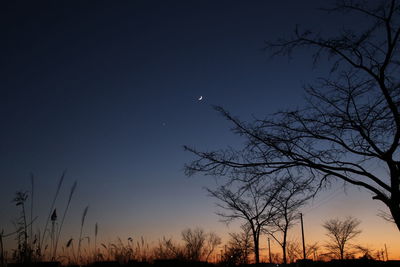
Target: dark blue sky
{"type": "Point", "coordinates": [109, 91]}
{"type": "Point", "coordinates": [102, 77]}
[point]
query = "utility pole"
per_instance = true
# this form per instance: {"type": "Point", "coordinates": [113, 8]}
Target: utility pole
{"type": "Point", "coordinates": [302, 236]}
{"type": "Point", "coordinates": [269, 250]}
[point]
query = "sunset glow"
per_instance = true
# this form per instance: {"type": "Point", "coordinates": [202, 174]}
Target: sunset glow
{"type": "Point", "coordinates": [108, 93]}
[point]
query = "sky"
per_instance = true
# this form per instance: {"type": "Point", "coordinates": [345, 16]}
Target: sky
{"type": "Point", "coordinates": [109, 91]}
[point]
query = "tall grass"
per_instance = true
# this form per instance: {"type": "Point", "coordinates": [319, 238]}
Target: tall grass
{"type": "Point", "coordinates": [74, 251]}
{"type": "Point", "coordinates": [23, 253]}
{"type": "Point", "coordinates": [2, 263]}
{"type": "Point", "coordinates": [53, 203]}
{"type": "Point", "coordinates": [70, 244]}
{"type": "Point", "coordinates": [53, 229]}
{"type": "Point", "coordinates": [35, 246]}
{"type": "Point", "coordinates": [80, 232]}
{"type": "Point", "coordinates": [71, 193]}
{"type": "Point", "coordinates": [96, 230]}
{"type": "Point", "coordinates": [31, 215]}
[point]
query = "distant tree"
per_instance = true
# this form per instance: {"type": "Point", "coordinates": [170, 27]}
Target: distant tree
{"type": "Point", "coordinates": [312, 251]}
{"type": "Point", "coordinates": [340, 233]}
{"type": "Point", "coordinates": [212, 242]}
{"type": "Point", "coordinates": [251, 202]}
{"type": "Point", "coordinates": [167, 249]}
{"type": "Point", "coordinates": [293, 194]}
{"type": "Point", "coordinates": [351, 122]}
{"type": "Point", "coordinates": [199, 245]}
{"type": "Point", "coordinates": [276, 257]}
{"type": "Point", "coordinates": [366, 252]}
{"type": "Point", "coordinates": [194, 241]}
{"type": "Point", "coordinates": [293, 251]}
{"type": "Point", "coordinates": [239, 248]}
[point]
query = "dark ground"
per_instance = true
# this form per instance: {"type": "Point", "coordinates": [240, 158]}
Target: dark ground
{"type": "Point", "coordinates": [177, 263]}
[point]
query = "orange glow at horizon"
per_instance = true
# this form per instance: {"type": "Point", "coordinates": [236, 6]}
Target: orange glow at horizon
{"type": "Point", "coordinates": [376, 233]}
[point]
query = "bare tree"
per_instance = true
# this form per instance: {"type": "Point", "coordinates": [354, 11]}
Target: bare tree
{"type": "Point", "coordinates": [212, 242]}
{"type": "Point", "coordinates": [367, 252]}
{"type": "Point", "coordinates": [312, 251]}
{"type": "Point", "coordinates": [294, 193]}
{"type": "Point", "coordinates": [194, 242]}
{"type": "Point", "coordinates": [293, 251]}
{"type": "Point", "coordinates": [351, 122]}
{"type": "Point", "coordinates": [239, 247]}
{"type": "Point", "coordinates": [199, 245]}
{"type": "Point", "coordinates": [340, 233]}
{"type": "Point", "coordinates": [252, 203]}
{"type": "Point", "coordinates": [167, 250]}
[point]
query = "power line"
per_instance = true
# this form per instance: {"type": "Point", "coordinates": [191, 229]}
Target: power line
{"type": "Point", "coordinates": [327, 199]}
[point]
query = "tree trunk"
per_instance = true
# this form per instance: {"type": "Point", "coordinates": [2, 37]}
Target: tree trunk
{"type": "Point", "coordinates": [395, 211]}
{"type": "Point", "coordinates": [284, 257]}
{"type": "Point", "coordinates": [256, 246]}
{"type": "Point", "coordinates": [284, 251]}
{"type": "Point", "coordinates": [394, 202]}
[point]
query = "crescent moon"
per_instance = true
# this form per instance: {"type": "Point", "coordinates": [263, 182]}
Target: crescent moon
{"type": "Point", "coordinates": [200, 98]}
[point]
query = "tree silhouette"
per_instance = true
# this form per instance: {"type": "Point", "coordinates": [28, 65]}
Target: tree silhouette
{"type": "Point", "coordinates": [199, 245]}
{"type": "Point", "coordinates": [312, 251]}
{"type": "Point", "coordinates": [339, 233]}
{"type": "Point", "coordinates": [294, 251]}
{"type": "Point", "coordinates": [238, 248]}
{"type": "Point", "coordinates": [167, 249]}
{"type": "Point", "coordinates": [250, 202]}
{"type": "Point", "coordinates": [212, 242]}
{"type": "Point", "coordinates": [351, 121]}
{"type": "Point", "coordinates": [194, 242]}
{"type": "Point", "coordinates": [294, 193]}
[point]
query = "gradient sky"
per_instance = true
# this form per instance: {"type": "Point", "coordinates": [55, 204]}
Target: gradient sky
{"type": "Point", "coordinates": [109, 91]}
